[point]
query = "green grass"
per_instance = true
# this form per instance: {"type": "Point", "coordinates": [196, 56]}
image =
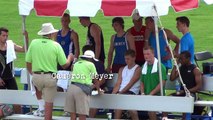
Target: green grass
{"type": "Point", "coordinates": [201, 26]}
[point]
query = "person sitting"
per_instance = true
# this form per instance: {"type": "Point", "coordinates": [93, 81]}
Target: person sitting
{"type": "Point", "coordinates": [150, 82]}
{"type": "Point", "coordinates": [128, 81]}
{"type": "Point", "coordinates": [190, 74]}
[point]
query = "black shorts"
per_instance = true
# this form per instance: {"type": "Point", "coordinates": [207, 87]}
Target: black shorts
{"type": "Point", "coordinates": [10, 84]}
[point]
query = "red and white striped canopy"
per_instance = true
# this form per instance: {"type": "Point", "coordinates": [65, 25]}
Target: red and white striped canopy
{"type": "Point", "coordinates": [109, 7]}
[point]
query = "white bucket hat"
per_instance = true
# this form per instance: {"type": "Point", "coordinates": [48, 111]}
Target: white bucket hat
{"type": "Point", "coordinates": [89, 54]}
{"type": "Point", "coordinates": [47, 28]}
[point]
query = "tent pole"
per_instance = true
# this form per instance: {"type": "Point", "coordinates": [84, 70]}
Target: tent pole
{"type": "Point", "coordinates": [158, 54]}
{"type": "Point", "coordinates": [25, 47]}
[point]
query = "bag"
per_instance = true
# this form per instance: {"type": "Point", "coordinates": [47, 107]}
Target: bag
{"type": "Point", "coordinates": [86, 88]}
{"type": "Point", "coordinates": [6, 110]}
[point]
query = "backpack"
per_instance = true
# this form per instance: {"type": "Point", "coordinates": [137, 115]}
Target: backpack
{"type": "Point", "coordinates": [6, 110]}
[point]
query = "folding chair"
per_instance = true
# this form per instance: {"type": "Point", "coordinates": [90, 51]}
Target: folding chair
{"type": "Point", "coordinates": [204, 55]}
{"type": "Point", "coordinates": [201, 56]}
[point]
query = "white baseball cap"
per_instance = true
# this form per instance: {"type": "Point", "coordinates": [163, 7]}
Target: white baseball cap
{"type": "Point", "coordinates": [47, 28]}
{"type": "Point", "coordinates": [136, 15]}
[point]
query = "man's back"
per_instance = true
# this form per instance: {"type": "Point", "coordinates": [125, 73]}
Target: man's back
{"type": "Point", "coordinates": [45, 53]}
{"type": "Point", "coordinates": [83, 72]}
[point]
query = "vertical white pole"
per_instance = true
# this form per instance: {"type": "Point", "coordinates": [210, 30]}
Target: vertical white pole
{"type": "Point", "coordinates": [158, 54]}
{"type": "Point", "coordinates": [25, 46]}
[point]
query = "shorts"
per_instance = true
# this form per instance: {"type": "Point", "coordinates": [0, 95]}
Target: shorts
{"type": "Point", "coordinates": [76, 101]}
{"type": "Point", "coordinates": [10, 84]}
{"type": "Point", "coordinates": [46, 84]}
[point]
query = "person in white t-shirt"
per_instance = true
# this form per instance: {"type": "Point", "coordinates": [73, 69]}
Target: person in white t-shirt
{"type": "Point", "coordinates": [128, 81]}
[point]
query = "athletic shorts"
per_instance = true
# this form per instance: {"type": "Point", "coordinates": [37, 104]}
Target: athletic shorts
{"type": "Point", "coordinates": [10, 84]}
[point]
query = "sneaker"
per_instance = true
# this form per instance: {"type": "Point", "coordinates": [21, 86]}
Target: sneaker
{"type": "Point", "coordinates": [39, 113]}
{"type": "Point", "coordinates": [66, 114]}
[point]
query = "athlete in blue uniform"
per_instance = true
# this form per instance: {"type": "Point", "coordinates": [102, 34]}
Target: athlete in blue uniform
{"type": "Point", "coordinates": [187, 41]}
{"type": "Point", "coordinates": [120, 42]}
{"type": "Point", "coordinates": [68, 38]}
{"type": "Point", "coordinates": [164, 51]}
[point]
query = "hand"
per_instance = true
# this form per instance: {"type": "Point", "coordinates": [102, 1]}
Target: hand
{"type": "Point", "coordinates": [100, 91]}
{"type": "Point", "coordinates": [108, 70]}
{"type": "Point", "coordinates": [70, 57]}
{"type": "Point", "coordinates": [25, 33]}
{"type": "Point", "coordinates": [2, 83]}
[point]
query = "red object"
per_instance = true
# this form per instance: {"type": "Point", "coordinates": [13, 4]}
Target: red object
{"type": "Point", "coordinates": [118, 7]}
{"type": "Point", "coordinates": [183, 5]}
{"type": "Point", "coordinates": [50, 7]}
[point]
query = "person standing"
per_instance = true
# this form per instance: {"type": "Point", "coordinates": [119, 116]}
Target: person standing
{"type": "Point", "coordinates": [68, 39]}
{"type": "Point", "coordinates": [7, 56]}
{"type": "Point", "coordinates": [150, 82]}
{"type": "Point", "coordinates": [187, 41]}
{"type": "Point", "coordinates": [164, 49]}
{"type": "Point", "coordinates": [120, 43]}
{"type": "Point", "coordinates": [94, 37]}
{"type": "Point", "coordinates": [42, 58]}
{"type": "Point", "coordinates": [138, 31]}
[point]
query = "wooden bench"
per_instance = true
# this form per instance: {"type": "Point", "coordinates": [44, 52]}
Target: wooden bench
{"type": "Point", "coordinates": [106, 101]}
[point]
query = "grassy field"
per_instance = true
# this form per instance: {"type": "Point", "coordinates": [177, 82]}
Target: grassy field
{"type": "Point", "coordinates": [201, 26]}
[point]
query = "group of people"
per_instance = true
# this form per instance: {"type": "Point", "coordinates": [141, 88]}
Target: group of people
{"type": "Point", "coordinates": [135, 60]}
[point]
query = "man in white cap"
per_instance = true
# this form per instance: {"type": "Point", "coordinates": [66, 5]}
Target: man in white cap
{"type": "Point", "coordinates": [42, 58]}
{"type": "Point", "coordinates": [78, 94]}
{"type": "Point", "coordinates": [138, 31]}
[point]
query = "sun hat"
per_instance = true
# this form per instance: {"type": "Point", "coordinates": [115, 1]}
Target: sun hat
{"type": "Point", "coordinates": [89, 54]}
{"type": "Point", "coordinates": [47, 28]}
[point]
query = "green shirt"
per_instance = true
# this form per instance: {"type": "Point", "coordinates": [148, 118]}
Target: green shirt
{"type": "Point", "coordinates": [44, 54]}
{"type": "Point", "coordinates": [83, 71]}
{"type": "Point", "coordinates": [151, 80]}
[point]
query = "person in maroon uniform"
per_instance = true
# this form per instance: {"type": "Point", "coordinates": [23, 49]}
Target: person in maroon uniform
{"type": "Point", "coordinates": [138, 31]}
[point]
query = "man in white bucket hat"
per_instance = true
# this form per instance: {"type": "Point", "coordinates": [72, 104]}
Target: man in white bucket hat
{"type": "Point", "coordinates": [42, 58]}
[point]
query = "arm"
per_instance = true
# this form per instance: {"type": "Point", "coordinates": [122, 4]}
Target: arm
{"type": "Point", "coordinates": [198, 80]}
{"type": "Point", "coordinates": [110, 54]}
{"type": "Point", "coordinates": [96, 84]}
{"type": "Point", "coordinates": [118, 83]}
{"type": "Point", "coordinates": [29, 67]}
{"type": "Point", "coordinates": [142, 88]}
{"type": "Point", "coordinates": [69, 59]}
{"type": "Point", "coordinates": [147, 35]}
{"type": "Point", "coordinates": [131, 42]}
{"type": "Point", "coordinates": [74, 37]}
{"type": "Point", "coordinates": [157, 88]}
{"type": "Point", "coordinates": [174, 74]}
{"type": "Point", "coordinates": [174, 38]}
{"type": "Point", "coordinates": [96, 33]}
{"type": "Point", "coordinates": [2, 83]}
{"type": "Point", "coordinates": [19, 48]}
{"type": "Point", "coordinates": [134, 79]}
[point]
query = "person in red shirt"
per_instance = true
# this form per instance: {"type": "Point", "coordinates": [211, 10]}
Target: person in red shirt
{"type": "Point", "coordinates": [138, 31]}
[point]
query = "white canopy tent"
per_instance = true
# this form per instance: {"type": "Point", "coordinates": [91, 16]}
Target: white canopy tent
{"type": "Point", "coordinates": [109, 7]}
